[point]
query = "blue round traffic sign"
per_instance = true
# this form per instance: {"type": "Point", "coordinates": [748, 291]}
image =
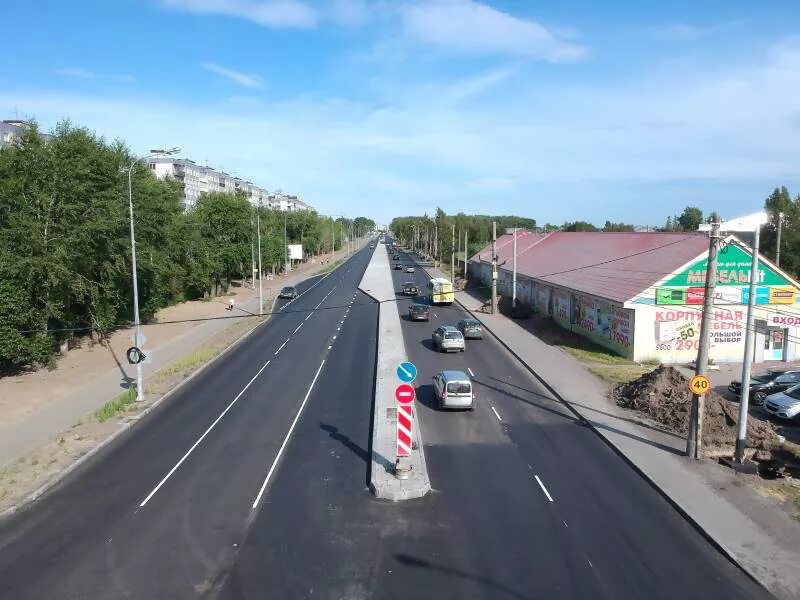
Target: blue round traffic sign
{"type": "Point", "coordinates": [407, 372]}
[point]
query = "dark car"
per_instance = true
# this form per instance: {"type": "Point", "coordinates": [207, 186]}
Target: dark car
{"type": "Point", "coordinates": [288, 292]}
{"type": "Point", "coordinates": [764, 384]}
{"type": "Point", "coordinates": [418, 312]}
{"type": "Point", "coordinates": [410, 289]}
{"type": "Point", "coordinates": [396, 257]}
{"type": "Point", "coordinates": [398, 267]}
{"type": "Point", "coordinates": [470, 329]}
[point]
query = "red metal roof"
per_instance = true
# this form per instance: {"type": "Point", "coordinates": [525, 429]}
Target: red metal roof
{"type": "Point", "coordinates": [612, 265]}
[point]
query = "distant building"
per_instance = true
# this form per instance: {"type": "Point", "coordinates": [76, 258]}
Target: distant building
{"type": "Point", "coordinates": [198, 179]}
{"type": "Point", "coordinates": [10, 129]}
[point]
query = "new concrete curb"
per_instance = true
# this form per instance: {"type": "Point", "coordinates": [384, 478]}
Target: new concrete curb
{"type": "Point", "coordinates": [610, 443]}
{"type": "Point", "coordinates": [389, 353]}
{"type": "Point", "coordinates": [128, 427]}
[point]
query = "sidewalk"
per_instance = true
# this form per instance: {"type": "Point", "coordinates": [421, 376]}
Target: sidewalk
{"type": "Point", "coordinates": [72, 391]}
{"type": "Point", "coordinates": [771, 558]}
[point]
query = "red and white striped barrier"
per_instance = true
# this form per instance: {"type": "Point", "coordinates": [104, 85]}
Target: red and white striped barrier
{"type": "Point", "coordinates": [405, 421]}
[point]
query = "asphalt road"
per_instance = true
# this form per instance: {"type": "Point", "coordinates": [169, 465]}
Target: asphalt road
{"type": "Point", "coordinates": [161, 512]}
{"type": "Point", "coordinates": [488, 530]}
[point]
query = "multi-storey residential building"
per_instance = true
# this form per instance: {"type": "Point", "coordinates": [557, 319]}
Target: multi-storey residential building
{"type": "Point", "coordinates": [12, 128]}
{"type": "Point", "coordinates": [198, 179]}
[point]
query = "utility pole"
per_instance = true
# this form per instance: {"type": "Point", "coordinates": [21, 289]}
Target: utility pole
{"type": "Point", "coordinates": [694, 441]}
{"type": "Point", "coordinates": [747, 361]}
{"type": "Point", "coordinates": [514, 275]}
{"type": "Point", "coordinates": [494, 266]}
{"type": "Point", "coordinates": [778, 244]}
{"type": "Point", "coordinates": [466, 252]}
{"type": "Point", "coordinates": [252, 253]}
{"type": "Point", "coordinates": [458, 255]}
{"type": "Point", "coordinates": [260, 272]}
{"type": "Point", "coordinates": [285, 247]}
{"type": "Point", "coordinates": [453, 255]}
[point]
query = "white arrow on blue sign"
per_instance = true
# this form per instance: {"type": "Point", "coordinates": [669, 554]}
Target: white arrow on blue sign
{"type": "Point", "coordinates": [407, 372]}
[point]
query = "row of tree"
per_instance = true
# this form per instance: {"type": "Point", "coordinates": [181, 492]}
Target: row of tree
{"type": "Point", "coordinates": [65, 255]}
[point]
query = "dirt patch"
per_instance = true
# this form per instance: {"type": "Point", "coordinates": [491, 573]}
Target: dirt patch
{"type": "Point", "coordinates": [663, 395]}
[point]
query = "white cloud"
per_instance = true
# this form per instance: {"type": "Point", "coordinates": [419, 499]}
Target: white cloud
{"type": "Point", "coordinates": [471, 27]}
{"type": "Point", "coordinates": [476, 86]}
{"type": "Point", "coordinates": [237, 77]}
{"type": "Point", "coordinates": [277, 14]}
{"type": "Point", "coordinates": [76, 72]}
{"type": "Point", "coordinates": [686, 32]}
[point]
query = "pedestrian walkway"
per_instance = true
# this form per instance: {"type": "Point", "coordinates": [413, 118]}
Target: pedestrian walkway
{"type": "Point", "coordinates": [657, 455]}
{"type": "Point", "coordinates": [68, 404]}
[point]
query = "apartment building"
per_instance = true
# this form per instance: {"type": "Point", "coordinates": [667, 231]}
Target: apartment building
{"type": "Point", "coordinates": [202, 179]}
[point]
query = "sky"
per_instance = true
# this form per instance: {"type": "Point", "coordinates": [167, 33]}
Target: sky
{"type": "Point", "coordinates": [577, 110]}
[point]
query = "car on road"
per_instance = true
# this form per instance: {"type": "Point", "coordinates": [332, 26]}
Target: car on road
{"type": "Point", "coordinates": [784, 405]}
{"type": "Point", "coordinates": [410, 289]}
{"type": "Point", "coordinates": [288, 292]}
{"type": "Point", "coordinates": [471, 329]}
{"type": "Point", "coordinates": [453, 389]}
{"type": "Point", "coordinates": [767, 383]}
{"type": "Point", "coordinates": [398, 267]}
{"type": "Point", "coordinates": [409, 269]}
{"type": "Point", "coordinates": [419, 312]}
{"type": "Point", "coordinates": [447, 338]}
{"type": "Point", "coordinates": [396, 257]}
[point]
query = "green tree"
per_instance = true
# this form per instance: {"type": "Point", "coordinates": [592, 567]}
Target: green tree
{"type": "Point", "coordinates": [578, 226]}
{"type": "Point", "coordinates": [777, 203]}
{"type": "Point", "coordinates": [690, 218]}
{"type": "Point", "coordinates": [609, 226]}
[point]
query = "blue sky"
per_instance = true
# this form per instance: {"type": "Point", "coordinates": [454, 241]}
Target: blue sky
{"type": "Point", "coordinates": [626, 111]}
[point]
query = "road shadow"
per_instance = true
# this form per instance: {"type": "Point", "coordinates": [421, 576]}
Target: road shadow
{"type": "Point", "coordinates": [478, 381]}
{"type": "Point", "coordinates": [426, 397]}
{"type": "Point", "coordinates": [428, 343]}
{"type": "Point", "coordinates": [497, 588]}
{"type": "Point", "coordinates": [639, 438]}
{"type": "Point", "coordinates": [348, 443]}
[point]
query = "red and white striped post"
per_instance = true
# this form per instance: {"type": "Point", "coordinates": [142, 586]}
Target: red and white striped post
{"type": "Point", "coordinates": [404, 394]}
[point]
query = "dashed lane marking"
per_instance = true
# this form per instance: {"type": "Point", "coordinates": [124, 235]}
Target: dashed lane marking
{"type": "Point", "coordinates": [544, 489]}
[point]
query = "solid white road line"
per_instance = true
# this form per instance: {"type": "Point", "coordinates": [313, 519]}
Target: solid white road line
{"type": "Point", "coordinates": [286, 439]}
{"type": "Point", "coordinates": [308, 317]}
{"type": "Point", "coordinates": [282, 345]}
{"type": "Point", "coordinates": [470, 372]}
{"type": "Point", "coordinates": [297, 329]}
{"type": "Point", "coordinates": [202, 437]}
{"type": "Point", "coordinates": [497, 414]}
{"type": "Point", "coordinates": [544, 489]}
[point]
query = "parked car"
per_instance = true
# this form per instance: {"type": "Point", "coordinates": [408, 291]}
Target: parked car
{"type": "Point", "coordinates": [419, 312]}
{"type": "Point", "coordinates": [288, 292]}
{"type": "Point", "coordinates": [453, 389]}
{"type": "Point", "coordinates": [765, 384]}
{"type": "Point", "coordinates": [447, 338]}
{"type": "Point", "coordinates": [398, 267]}
{"type": "Point", "coordinates": [410, 289]}
{"type": "Point", "coordinates": [470, 329]}
{"type": "Point", "coordinates": [784, 405]}
{"type": "Point", "coordinates": [409, 269]}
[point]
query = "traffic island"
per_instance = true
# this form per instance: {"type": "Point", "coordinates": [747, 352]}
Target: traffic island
{"type": "Point", "coordinates": [413, 480]}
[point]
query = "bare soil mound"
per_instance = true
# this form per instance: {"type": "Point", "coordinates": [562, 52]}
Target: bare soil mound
{"type": "Point", "coordinates": [663, 395]}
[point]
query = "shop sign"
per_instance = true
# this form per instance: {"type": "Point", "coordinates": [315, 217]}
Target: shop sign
{"type": "Point", "coordinates": [782, 295]}
{"type": "Point", "coordinates": [733, 268]}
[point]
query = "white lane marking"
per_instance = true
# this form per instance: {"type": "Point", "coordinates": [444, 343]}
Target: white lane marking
{"type": "Point", "coordinates": [338, 329]}
{"type": "Point", "coordinates": [497, 414]}
{"type": "Point", "coordinates": [590, 563]}
{"type": "Point", "coordinates": [565, 525]}
{"type": "Point", "coordinates": [435, 315]}
{"type": "Point", "coordinates": [329, 347]}
{"type": "Point", "coordinates": [202, 437]}
{"type": "Point", "coordinates": [297, 329]}
{"type": "Point", "coordinates": [342, 322]}
{"type": "Point", "coordinates": [544, 489]}
{"type": "Point", "coordinates": [286, 439]}
{"type": "Point", "coordinates": [470, 372]}
{"type": "Point", "coordinates": [308, 317]}
{"type": "Point", "coordinates": [334, 337]}
{"type": "Point", "coordinates": [282, 345]}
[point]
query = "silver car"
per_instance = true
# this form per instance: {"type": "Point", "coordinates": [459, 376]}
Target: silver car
{"type": "Point", "coordinates": [453, 389]}
{"type": "Point", "coordinates": [447, 338]}
{"type": "Point", "coordinates": [784, 405]}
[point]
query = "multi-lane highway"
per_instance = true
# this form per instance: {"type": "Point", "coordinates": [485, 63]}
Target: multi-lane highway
{"type": "Point", "coordinates": [211, 497]}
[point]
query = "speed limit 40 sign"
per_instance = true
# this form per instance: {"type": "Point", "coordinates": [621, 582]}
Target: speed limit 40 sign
{"type": "Point", "coordinates": [699, 384]}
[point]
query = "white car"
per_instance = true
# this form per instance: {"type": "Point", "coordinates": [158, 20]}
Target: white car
{"type": "Point", "coordinates": [784, 405]}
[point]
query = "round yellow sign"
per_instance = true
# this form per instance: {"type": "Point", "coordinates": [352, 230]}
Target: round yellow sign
{"type": "Point", "coordinates": [699, 384]}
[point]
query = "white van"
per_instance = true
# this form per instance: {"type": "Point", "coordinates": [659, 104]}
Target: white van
{"type": "Point", "coordinates": [453, 389]}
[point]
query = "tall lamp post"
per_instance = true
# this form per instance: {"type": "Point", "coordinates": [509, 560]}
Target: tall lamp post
{"type": "Point", "coordinates": [136, 322]}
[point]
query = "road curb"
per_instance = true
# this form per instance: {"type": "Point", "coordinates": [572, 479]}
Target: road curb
{"type": "Point", "coordinates": [382, 481]}
{"type": "Point", "coordinates": [610, 443]}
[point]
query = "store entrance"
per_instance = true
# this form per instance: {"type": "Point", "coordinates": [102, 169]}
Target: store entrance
{"type": "Point", "coordinates": [775, 344]}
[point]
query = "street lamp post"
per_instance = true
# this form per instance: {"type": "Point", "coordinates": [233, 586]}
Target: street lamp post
{"type": "Point", "coordinates": [136, 322]}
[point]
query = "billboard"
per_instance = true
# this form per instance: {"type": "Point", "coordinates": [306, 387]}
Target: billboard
{"type": "Point", "coordinates": [295, 251]}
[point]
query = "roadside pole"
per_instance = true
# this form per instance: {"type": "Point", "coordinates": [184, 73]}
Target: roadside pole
{"type": "Point", "coordinates": [694, 441]}
{"type": "Point", "coordinates": [453, 255]}
{"type": "Point", "coordinates": [747, 361]}
{"type": "Point", "coordinates": [514, 274]}
{"type": "Point", "coordinates": [494, 266]}
{"type": "Point", "coordinates": [260, 272]}
{"type": "Point", "coordinates": [466, 251]}
{"type": "Point", "coordinates": [778, 241]}
{"type": "Point", "coordinates": [285, 246]}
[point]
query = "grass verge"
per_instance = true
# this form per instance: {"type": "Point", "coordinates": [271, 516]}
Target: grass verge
{"type": "Point", "coordinates": [115, 406]}
{"type": "Point", "coordinates": [618, 373]}
{"type": "Point", "coordinates": [190, 361]}
{"type": "Point", "coordinates": [331, 266]}
{"type": "Point", "coordinates": [590, 354]}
